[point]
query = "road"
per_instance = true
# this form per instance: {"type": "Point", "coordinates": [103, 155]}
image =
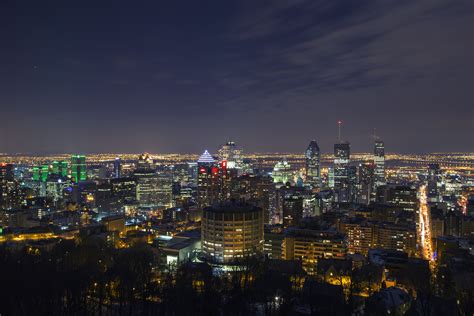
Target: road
{"type": "Point", "coordinates": [425, 226]}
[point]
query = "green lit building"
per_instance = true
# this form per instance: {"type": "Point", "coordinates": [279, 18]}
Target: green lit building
{"type": "Point", "coordinates": [60, 168]}
{"type": "Point", "coordinates": [78, 168]}
{"type": "Point", "coordinates": [36, 173]}
{"type": "Point", "coordinates": [41, 173]}
{"type": "Point", "coordinates": [44, 173]}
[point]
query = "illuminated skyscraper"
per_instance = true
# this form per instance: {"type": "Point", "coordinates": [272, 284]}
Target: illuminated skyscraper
{"type": "Point", "coordinates": [60, 168]}
{"type": "Point", "coordinates": [434, 182]}
{"type": "Point", "coordinates": [232, 154]}
{"type": "Point", "coordinates": [342, 152]}
{"type": "Point", "coordinates": [117, 168]}
{"type": "Point", "coordinates": [230, 232]}
{"type": "Point", "coordinates": [282, 172]}
{"type": "Point", "coordinates": [365, 185]}
{"type": "Point", "coordinates": [78, 168]}
{"type": "Point", "coordinates": [379, 162]}
{"type": "Point", "coordinates": [208, 180]}
{"type": "Point", "coordinates": [313, 165]}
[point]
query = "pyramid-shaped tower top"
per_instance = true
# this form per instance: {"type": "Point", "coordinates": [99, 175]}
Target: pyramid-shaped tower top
{"type": "Point", "coordinates": [206, 158]}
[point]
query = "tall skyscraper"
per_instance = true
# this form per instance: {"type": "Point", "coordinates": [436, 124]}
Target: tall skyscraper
{"type": "Point", "coordinates": [208, 180]}
{"type": "Point", "coordinates": [365, 185]}
{"type": "Point", "coordinates": [379, 162]}
{"type": "Point", "coordinates": [78, 168]}
{"type": "Point", "coordinates": [232, 154]}
{"type": "Point", "coordinates": [434, 182]}
{"type": "Point", "coordinates": [292, 210]}
{"type": "Point", "coordinates": [148, 182]}
{"type": "Point", "coordinates": [282, 172]}
{"type": "Point", "coordinates": [60, 168]}
{"type": "Point", "coordinates": [342, 152]}
{"type": "Point", "coordinates": [313, 165]}
{"type": "Point", "coordinates": [117, 168]}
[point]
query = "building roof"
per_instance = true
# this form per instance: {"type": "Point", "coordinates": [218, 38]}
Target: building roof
{"type": "Point", "coordinates": [206, 158]}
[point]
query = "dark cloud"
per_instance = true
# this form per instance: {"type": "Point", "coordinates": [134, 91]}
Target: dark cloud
{"type": "Point", "coordinates": [270, 75]}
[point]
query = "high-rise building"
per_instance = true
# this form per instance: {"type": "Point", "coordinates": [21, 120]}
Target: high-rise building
{"type": "Point", "coordinates": [256, 189]}
{"type": "Point", "coordinates": [365, 185]}
{"type": "Point", "coordinates": [145, 162]}
{"type": "Point", "coordinates": [399, 195]}
{"type": "Point", "coordinates": [232, 154]}
{"type": "Point", "coordinates": [208, 180]}
{"type": "Point", "coordinates": [379, 162]}
{"type": "Point", "coordinates": [313, 165]}
{"type": "Point", "coordinates": [342, 152]}
{"type": "Point", "coordinates": [232, 231]}
{"type": "Point", "coordinates": [147, 182]}
{"type": "Point", "coordinates": [434, 183]}
{"type": "Point", "coordinates": [78, 168]}
{"type": "Point", "coordinates": [282, 172]}
{"type": "Point", "coordinates": [124, 189]}
{"type": "Point", "coordinates": [292, 210]}
{"type": "Point", "coordinates": [44, 173]}
{"type": "Point", "coordinates": [117, 168]}
{"type": "Point", "coordinates": [6, 178]}
{"type": "Point", "coordinates": [60, 168]}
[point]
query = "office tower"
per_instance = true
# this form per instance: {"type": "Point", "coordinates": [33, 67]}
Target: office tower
{"type": "Point", "coordinates": [292, 210]}
{"type": "Point", "coordinates": [232, 154]}
{"type": "Point", "coordinates": [379, 162]}
{"type": "Point", "coordinates": [124, 189]}
{"type": "Point", "coordinates": [41, 173]}
{"type": "Point", "coordinates": [36, 173]}
{"type": "Point", "coordinates": [78, 168]}
{"type": "Point", "coordinates": [63, 168]}
{"type": "Point", "coordinates": [55, 167]}
{"type": "Point", "coordinates": [232, 231]}
{"type": "Point", "coordinates": [255, 189]}
{"type": "Point", "coordinates": [208, 180]}
{"type": "Point", "coordinates": [330, 178]}
{"type": "Point", "coordinates": [398, 195]}
{"type": "Point", "coordinates": [313, 165]}
{"type": "Point", "coordinates": [365, 186]}
{"type": "Point", "coordinates": [6, 181]}
{"type": "Point", "coordinates": [282, 172]}
{"type": "Point", "coordinates": [342, 153]}
{"type": "Point", "coordinates": [55, 186]}
{"type": "Point", "coordinates": [434, 183]}
{"type": "Point", "coordinates": [352, 178]}
{"type": "Point", "coordinates": [60, 168]}
{"type": "Point", "coordinates": [165, 187]}
{"type": "Point", "coordinates": [145, 162]}
{"type": "Point", "coordinates": [147, 182]}
{"type": "Point", "coordinates": [117, 168]}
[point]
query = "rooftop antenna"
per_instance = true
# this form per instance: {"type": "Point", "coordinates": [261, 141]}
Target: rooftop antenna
{"type": "Point", "coordinates": [375, 136]}
{"type": "Point", "coordinates": [339, 130]}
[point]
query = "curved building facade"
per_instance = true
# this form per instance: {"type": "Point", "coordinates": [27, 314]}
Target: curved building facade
{"type": "Point", "coordinates": [232, 231]}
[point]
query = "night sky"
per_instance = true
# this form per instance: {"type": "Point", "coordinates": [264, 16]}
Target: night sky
{"type": "Point", "coordinates": [182, 76]}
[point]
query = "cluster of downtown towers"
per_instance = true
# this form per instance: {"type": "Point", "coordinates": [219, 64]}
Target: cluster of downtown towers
{"type": "Point", "coordinates": [343, 177]}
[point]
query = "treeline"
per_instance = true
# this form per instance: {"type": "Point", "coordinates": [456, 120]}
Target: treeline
{"type": "Point", "coordinates": [90, 278]}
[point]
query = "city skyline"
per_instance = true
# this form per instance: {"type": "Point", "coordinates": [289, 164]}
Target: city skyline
{"type": "Point", "coordinates": [240, 157]}
{"type": "Point", "coordinates": [126, 78]}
